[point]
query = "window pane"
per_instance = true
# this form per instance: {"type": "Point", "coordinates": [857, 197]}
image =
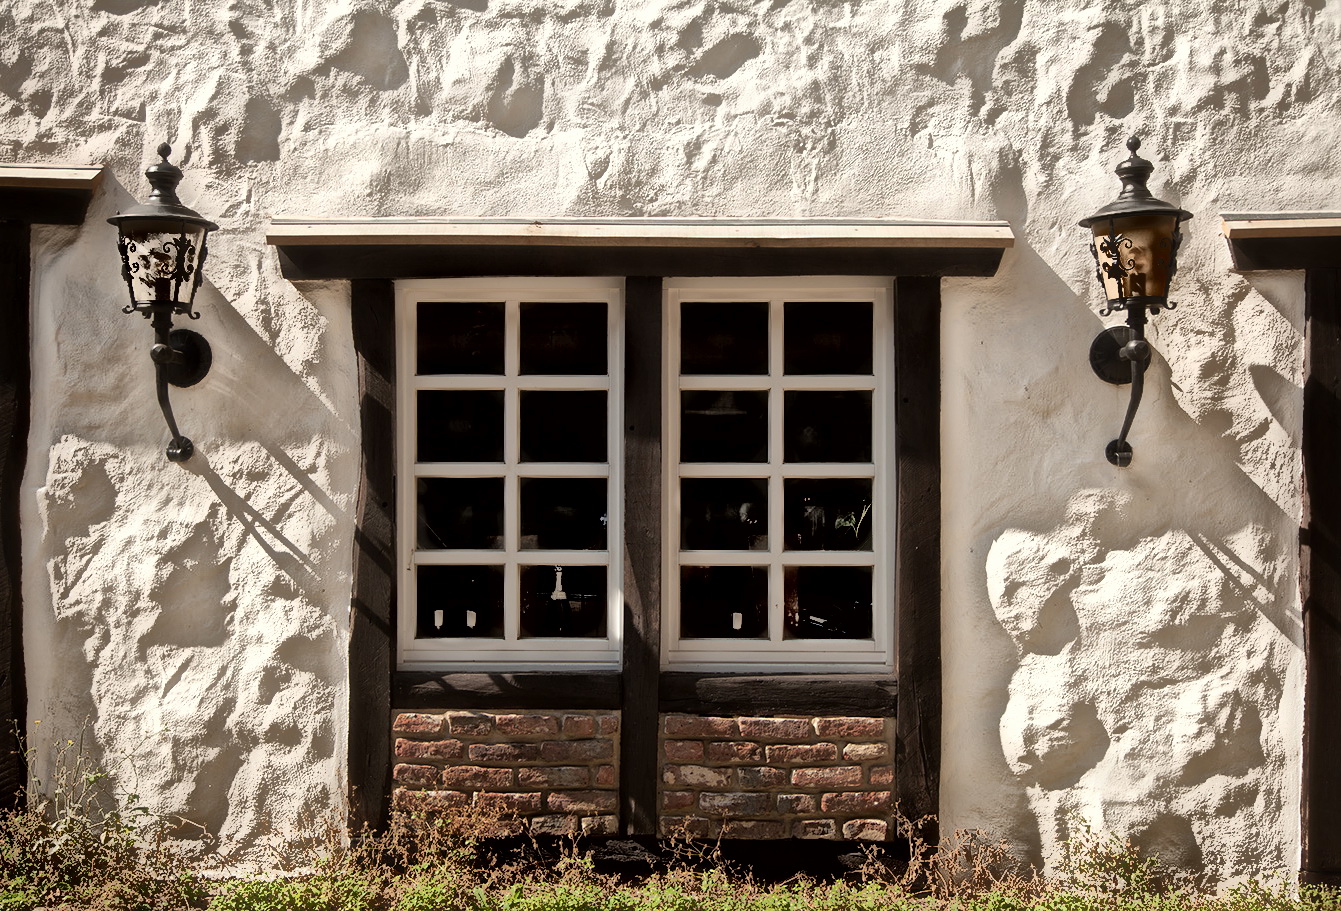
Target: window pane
{"type": "Point", "coordinates": [563, 514]}
{"type": "Point", "coordinates": [826, 427]}
{"type": "Point", "coordinates": [827, 602]}
{"type": "Point", "coordinates": [563, 426]}
{"type": "Point", "coordinates": [563, 338]}
{"type": "Point", "coordinates": [564, 601]}
{"type": "Point", "coordinates": [460, 426]}
{"type": "Point", "coordinates": [723, 426]}
{"type": "Point", "coordinates": [724, 514]}
{"type": "Point", "coordinates": [724, 602]}
{"type": "Point", "coordinates": [460, 338]}
{"type": "Point", "coordinates": [824, 337]}
{"type": "Point", "coordinates": [729, 339]}
{"type": "Point", "coordinates": [459, 601]}
{"type": "Point", "coordinates": [460, 513]}
{"type": "Point", "coordinates": [832, 514]}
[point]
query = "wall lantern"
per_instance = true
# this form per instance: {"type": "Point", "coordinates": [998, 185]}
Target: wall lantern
{"type": "Point", "coordinates": [1135, 248]}
{"type": "Point", "coordinates": [162, 246]}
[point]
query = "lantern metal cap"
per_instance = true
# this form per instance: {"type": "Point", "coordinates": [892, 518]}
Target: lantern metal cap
{"type": "Point", "coordinates": [163, 203]}
{"type": "Point", "coordinates": [1135, 198]}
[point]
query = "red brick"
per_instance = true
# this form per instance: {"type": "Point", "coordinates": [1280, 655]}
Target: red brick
{"type": "Point", "coordinates": [428, 749]}
{"type": "Point", "coordinates": [504, 752]}
{"type": "Point", "coordinates": [851, 728]}
{"type": "Point", "coordinates": [576, 750]}
{"type": "Point", "coordinates": [754, 828]}
{"type": "Point", "coordinates": [562, 824]}
{"type": "Point", "coordinates": [762, 777]}
{"type": "Point", "coordinates": [607, 724]}
{"type": "Point", "coordinates": [735, 751]}
{"type": "Point", "coordinates": [776, 728]}
{"type": "Point", "coordinates": [419, 776]}
{"type": "Point", "coordinates": [587, 803]}
{"type": "Point", "coordinates": [579, 726]}
{"type": "Point", "coordinates": [470, 724]}
{"type": "Point", "coordinates": [600, 825]}
{"type": "Point", "coordinates": [855, 802]}
{"type": "Point", "coordinates": [683, 750]}
{"type": "Point", "coordinates": [428, 801]}
{"type": "Point", "coordinates": [470, 776]}
{"type": "Point", "coordinates": [882, 776]}
{"type": "Point", "coordinates": [695, 776]}
{"type": "Point", "coordinates": [736, 803]}
{"type": "Point", "coordinates": [677, 800]}
{"type": "Point", "coordinates": [796, 803]}
{"type": "Point", "coordinates": [606, 776]}
{"type": "Point", "coordinates": [836, 777]}
{"type": "Point", "coordinates": [866, 829]}
{"type": "Point", "coordinates": [417, 723]}
{"type": "Point", "coordinates": [520, 804]}
{"type": "Point", "coordinates": [865, 752]}
{"type": "Point", "coordinates": [814, 828]}
{"type": "Point", "coordinates": [803, 752]}
{"type": "Point", "coordinates": [527, 725]}
{"type": "Point", "coordinates": [685, 827]}
{"type": "Point", "coordinates": [700, 726]}
{"type": "Point", "coordinates": [555, 776]}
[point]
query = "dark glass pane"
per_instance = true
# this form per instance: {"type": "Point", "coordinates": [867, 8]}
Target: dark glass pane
{"type": "Point", "coordinates": [563, 513]}
{"type": "Point", "coordinates": [563, 426]}
{"type": "Point", "coordinates": [827, 602]}
{"type": "Point", "coordinates": [723, 514]}
{"type": "Point", "coordinates": [460, 338]}
{"type": "Point", "coordinates": [563, 601]}
{"type": "Point", "coordinates": [723, 426]}
{"type": "Point", "coordinates": [459, 601]}
{"type": "Point", "coordinates": [563, 338]}
{"type": "Point", "coordinates": [460, 425]}
{"type": "Point", "coordinates": [723, 602]}
{"type": "Point", "coordinates": [823, 337]}
{"type": "Point", "coordinates": [724, 338]}
{"type": "Point", "coordinates": [460, 513]}
{"type": "Point", "coordinates": [826, 427]}
{"type": "Point", "coordinates": [832, 514]}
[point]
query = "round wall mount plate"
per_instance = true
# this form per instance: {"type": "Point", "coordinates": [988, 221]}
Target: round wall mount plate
{"type": "Point", "coordinates": [1106, 357]}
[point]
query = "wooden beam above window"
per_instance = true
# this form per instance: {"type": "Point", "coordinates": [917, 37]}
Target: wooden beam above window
{"type": "Point", "coordinates": [47, 194]}
{"type": "Point", "coordinates": [426, 247]}
{"type": "Point", "coordinates": [1283, 240]}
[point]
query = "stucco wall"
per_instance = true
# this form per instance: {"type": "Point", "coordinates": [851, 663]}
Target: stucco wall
{"type": "Point", "coordinates": [1121, 646]}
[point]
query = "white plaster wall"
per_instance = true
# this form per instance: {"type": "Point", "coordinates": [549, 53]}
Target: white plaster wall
{"type": "Point", "coordinates": [1120, 647]}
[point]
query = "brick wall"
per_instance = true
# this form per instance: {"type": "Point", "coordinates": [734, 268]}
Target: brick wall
{"type": "Point", "coordinates": [801, 777]}
{"type": "Point", "coordinates": [550, 772]}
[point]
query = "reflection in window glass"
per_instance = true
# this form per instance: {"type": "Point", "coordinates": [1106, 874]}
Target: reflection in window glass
{"type": "Point", "coordinates": [462, 513]}
{"type": "Point", "coordinates": [563, 514]}
{"type": "Point", "coordinates": [826, 426]}
{"type": "Point", "coordinates": [459, 601]}
{"type": "Point", "coordinates": [724, 514]}
{"type": "Point", "coordinates": [460, 425]}
{"type": "Point", "coordinates": [457, 338]}
{"type": "Point", "coordinates": [563, 601]}
{"type": "Point", "coordinates": [723, 602]}
{"type": "Point", "coordinates": [827, 514]}
{"type": "Point", "coordinates": [727, 339]}
{"type": "Point", "coordinates": [723, 426]}
{"type": "Point", "coordinates": [565, 339]}
{"type": "Point", "coordinates": [827, 602]}
{"type": "Point", "coordinates": [824, 337]}
{"type": "Point", "coordinates": [563, 426]}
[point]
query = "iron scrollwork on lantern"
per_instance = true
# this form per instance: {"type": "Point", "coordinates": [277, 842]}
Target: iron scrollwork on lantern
{"type": "Point", "coordinates": [1134, 242]}
{"type": "Point", "coordinates": [163, 250]}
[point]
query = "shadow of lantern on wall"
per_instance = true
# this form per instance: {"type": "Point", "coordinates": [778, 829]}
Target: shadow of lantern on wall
{"type": "Point", "coordinates": [1135, 246]}
{"type": "Point", "coordinates": [163, 248]}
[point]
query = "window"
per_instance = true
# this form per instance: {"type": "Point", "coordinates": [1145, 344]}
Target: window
{"type": "Point", "coordinates": [508, 451]}
{"type": "Point", "coordinates": [777, 451]}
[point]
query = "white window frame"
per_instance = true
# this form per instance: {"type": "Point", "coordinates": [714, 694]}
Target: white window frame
{"type": "Point", "coordinates": [511, 652]}
{"type": "Point", "coordinates": [872, 655]}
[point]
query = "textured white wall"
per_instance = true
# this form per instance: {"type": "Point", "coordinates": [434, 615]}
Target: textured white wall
{"type": "Point", "coordinates": [1121, 647]}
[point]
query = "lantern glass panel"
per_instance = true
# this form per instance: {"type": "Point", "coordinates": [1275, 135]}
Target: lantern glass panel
{"type": "Point", "coordinates": [1144, 252]}
{"type": "Point", "coordinates": [159, 272]}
